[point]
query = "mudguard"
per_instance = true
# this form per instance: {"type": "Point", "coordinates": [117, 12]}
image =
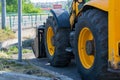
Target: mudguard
{"type": "Point", "coordinates": [61, 16]}
{"type": "Point", "coordinates": [38, 43]}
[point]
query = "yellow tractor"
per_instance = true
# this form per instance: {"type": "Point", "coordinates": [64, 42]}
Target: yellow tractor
{"type": "Point", "coordinates": [90, 34]}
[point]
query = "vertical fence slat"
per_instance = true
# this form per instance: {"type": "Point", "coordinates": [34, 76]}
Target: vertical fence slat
{"type": "Point", "coordinates": [32, 20]}
{"type": "Point", "coordinates": [10, 21]}
{"type": "Point", "coordinates": [36, 20]}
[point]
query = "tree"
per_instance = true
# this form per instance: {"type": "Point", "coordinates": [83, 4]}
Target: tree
{"type": "Point", "coordinates": [27, 6]}
{"type": "Point", "coordinates": [12, 6]}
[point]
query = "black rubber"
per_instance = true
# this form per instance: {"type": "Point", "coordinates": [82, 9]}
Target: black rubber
{"type": "Point", "coordinates": [97, 22]}
{"type": "Point", "coordinates": [61, 40]}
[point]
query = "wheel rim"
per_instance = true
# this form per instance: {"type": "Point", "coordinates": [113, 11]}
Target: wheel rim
{"type": "Point", "coordinates": [51, 47]}
{"type": "Point", "coordinates": [84, 36]}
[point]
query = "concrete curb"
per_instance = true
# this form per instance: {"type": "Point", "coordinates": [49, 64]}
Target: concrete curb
{"type": "Point", "coordinates": [17, 76]}
{"type": "Point", "coordinates": [7, 43]}
{"type": "Point", "coordinates": [11, 42]}
{"type": "Point", "coordinates": [26, 33]}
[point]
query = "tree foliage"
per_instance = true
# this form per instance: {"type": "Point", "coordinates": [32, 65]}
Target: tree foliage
{"type": "Point", "coordinates": [11, 6]}
{"type": "Point", "coordinates": [27, 6]}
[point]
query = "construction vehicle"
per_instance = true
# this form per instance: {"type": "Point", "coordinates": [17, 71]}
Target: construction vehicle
{"type": "Point", "coordinates": [90, 33]}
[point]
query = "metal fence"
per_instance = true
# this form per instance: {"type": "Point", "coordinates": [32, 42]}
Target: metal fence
{"type": "Point", "coordinates": [28, 20]}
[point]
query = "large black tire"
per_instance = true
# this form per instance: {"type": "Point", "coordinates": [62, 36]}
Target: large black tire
{"type": "Point", "coordinates": [97, 22]}
{"type": "Point", "coordinates": [61, 40]}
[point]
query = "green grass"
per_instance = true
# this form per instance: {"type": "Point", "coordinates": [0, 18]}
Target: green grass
{"type": "Point", "coordinates": [6, 34]}
{"type": "Point", "coordinates": [10, 65]}
{"type": "Point", "coordinates": [7, 63]}
{"type": "Point", "coordinates": [3, 54]}
{"type": "Point", "coordinates": [26, 51]}
{"type": "Point", "coordinates": [13, 66]}
{"type": "Point", "coordinates": [14, 50]}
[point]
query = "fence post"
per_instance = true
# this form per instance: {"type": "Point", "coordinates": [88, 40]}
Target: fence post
{"type": "Point", "coordinates": [40, 17]}
{"type": "Point", "coordinates": [29, 19]}
{"type": "Point", "coordinates": [32, 20]}
{"type": "Point", "coordinates": [10, 21]}
{"type": "Point", "coordinates": [48, 14]}
{"type": "Point", "coordinates": [19, 30]}
{"type": "Point", "coordinates": [3, 14]}
{"type": "Point", "coordinates": [36, 19]}
{"type": "Point", "coordinates": [13, 20]}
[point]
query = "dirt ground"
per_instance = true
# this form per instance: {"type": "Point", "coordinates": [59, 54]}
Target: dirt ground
{"type": "Point", "coordinates": [11, 63]}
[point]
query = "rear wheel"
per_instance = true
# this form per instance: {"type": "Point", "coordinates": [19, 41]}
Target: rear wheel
{"type": "Point", "coordinates": [56, 41]}
{"type": "Point", "coordinates": [91, 44]}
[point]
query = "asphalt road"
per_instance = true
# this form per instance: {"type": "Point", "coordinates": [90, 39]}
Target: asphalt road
{"type": "Point", "coordinates": [69, 71]}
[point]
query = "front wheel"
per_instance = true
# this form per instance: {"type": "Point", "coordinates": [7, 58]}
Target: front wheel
{"type": "Point", "coordinates": [91, 44]}
{"type": "Point", "coordinates": [56, 41]}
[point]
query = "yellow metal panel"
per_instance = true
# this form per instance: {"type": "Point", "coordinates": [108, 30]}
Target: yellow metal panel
{"type": "Point", "coordinates": [77, 10]}
{"type": "Point", "coordinates": [101, 4]}
{"type": "Point", "coordinates": [73, 14]}
{"type": "Point", "coordinates": [72, 18]}
{"type": "Point", "coordinates": [114, 32]}
{"type": "Point", "coordinates": [80, 0]}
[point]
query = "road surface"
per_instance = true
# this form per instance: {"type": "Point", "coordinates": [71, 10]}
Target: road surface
{"type": "Point", "coordinates": [69, 71]}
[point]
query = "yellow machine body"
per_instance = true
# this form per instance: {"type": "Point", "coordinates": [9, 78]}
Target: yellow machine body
{"type": "Point", "coordinates": [100, 4]}
{"type": "Point", "coordinates": [113, 9]}
{"type": "Point", "coordinates": [114, 34]}
{"type": "Point", "coordinates": [84, 35]}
